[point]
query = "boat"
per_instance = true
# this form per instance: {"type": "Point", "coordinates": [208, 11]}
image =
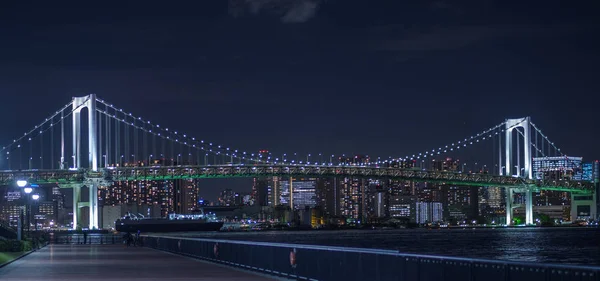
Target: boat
{"type": "Point", "coordinates": [172, 223]}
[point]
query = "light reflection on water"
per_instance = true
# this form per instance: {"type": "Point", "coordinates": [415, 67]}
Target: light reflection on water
{"type": "Point", "coordinates": [546, 245]}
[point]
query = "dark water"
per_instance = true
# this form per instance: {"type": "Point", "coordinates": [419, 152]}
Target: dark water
{"type": "Point", "coordinates": [546, 245]}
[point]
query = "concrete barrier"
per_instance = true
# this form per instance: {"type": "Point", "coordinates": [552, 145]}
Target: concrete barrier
{"type": "Point", "coordinates": [309, 262]}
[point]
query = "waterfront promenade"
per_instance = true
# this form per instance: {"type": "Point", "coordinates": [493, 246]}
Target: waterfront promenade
{"type": "Point", "coordinates": [116, 262]}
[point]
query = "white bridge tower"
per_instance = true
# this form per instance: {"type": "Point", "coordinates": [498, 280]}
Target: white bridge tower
{"type": "Point", "coordinates": [79, 103]}
{"type": "Point", "coordinates": [512, 125]}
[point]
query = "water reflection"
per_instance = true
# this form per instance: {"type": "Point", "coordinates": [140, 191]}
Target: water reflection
{"type": "Point", "coordinates": [547, 245]}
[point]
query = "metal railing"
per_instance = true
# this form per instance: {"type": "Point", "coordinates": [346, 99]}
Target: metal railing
{"type": "Point", "coordinates": [97, 239]}
{"type": "Point", "coordinates": [308, 262]}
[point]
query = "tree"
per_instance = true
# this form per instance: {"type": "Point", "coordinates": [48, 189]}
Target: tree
{"type": "Point", "coordinates": [518, 220]}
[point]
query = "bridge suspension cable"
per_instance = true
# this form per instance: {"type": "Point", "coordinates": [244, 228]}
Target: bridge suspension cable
{"type": "Point", "coordinates": [544, 137]}
{"type": "Point", "coordinates": [174, 137]}
{"type": "Point", "coordinates": [484, 135]}
{"type": "Point", "coordinates": [39, 131]}
{"type": "Point", "coordinates": [166, 136]}
{"type": "Point", "coordinates": [37, 127]}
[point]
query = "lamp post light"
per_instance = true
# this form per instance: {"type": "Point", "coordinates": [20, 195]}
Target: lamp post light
{"type": "Point", "coordinates": [35, 198]}
{"type": "Point", "coordinates": [27, 191]}
{"type": "Point", "coordinates": [21, 184]}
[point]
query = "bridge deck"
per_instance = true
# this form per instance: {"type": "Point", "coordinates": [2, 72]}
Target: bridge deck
{"type": "Point", "coordinates": [115, 262]}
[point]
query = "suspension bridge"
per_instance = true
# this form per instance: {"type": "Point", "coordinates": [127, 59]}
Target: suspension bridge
{"type": "Point", "coordinates": [123, 147]}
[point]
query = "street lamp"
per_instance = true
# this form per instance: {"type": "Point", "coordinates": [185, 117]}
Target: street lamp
{"type": "Point", "coordinates": [27, 191]}
{"type": "Point", "coordinates": [21, 183]}
{"type": "Point", "coordinates": [35, 198]}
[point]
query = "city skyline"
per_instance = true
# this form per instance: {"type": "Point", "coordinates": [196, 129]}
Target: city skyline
{"type": "Point", "coordinates": [322, 121]}
{"type": "Point", "coordinates": [300, 139]}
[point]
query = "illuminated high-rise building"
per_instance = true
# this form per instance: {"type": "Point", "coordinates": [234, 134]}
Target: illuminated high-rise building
{"type": "Point", "coordinates": [403, 207]}
{"type": "Point", "coordinates": [304, 192]}
{"type": "Point", "coordinates": [429, 212]}
{"type": "Point", "coordinates": [462, 201]}
{"type": "Point", "coordinates": [491, 203]}
{"type": "Point", "coordinates": [401, 187]}
{"type": "Point", "coordinates": [405, 164]}
{"type": "Point", "coordinates": [186, 196]}
{"type": "Point", "coordinates": [430, 192]}
{"type": "Point", "coordinates": [329, 196]}
{"type": "Point", "coordinates": [446, 165]}
{"type": "Point", "coordinates": [374, 199]}
{"type": "Point", "coordinates": [380, 204]}
{"type": "Point", "coordinates": [180, 196]}
{"type": "Point", "coordinates": [352, 195]}
{"type": "Point", "coordinates": [262, 191]}
{"type": "Point", "coordinates": [11, 205]}
{"type": "Point", "coordinates": [557, 168]}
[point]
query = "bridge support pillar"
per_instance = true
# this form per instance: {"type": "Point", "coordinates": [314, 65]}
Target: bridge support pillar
{"type": "Point", "coordinates": [76, 200]}
{"type": "Point", "coordinates": [528, 207]}
{"type": "Point", "coordinates": [93, 203]}
{"type": "Point", "coordinates": [509, 201]}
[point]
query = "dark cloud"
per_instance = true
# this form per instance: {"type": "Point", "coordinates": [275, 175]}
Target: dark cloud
{"type": "Point", "coordinates": [289, 11]}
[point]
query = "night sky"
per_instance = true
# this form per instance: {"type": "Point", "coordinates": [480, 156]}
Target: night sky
{"type": "Point", "coordinates": [385, 78]}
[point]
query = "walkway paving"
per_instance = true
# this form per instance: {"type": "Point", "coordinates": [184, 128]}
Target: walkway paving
{"type": "Point", "coordinates": [115, 262]}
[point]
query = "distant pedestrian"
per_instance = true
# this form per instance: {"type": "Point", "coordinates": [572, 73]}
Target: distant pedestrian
{"type": "Point", "coordinates": [129, 238]}
{"type": "Point", "coordinates": [85, 237]}
{"type": "Point", "coordinates": [137, 242]}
